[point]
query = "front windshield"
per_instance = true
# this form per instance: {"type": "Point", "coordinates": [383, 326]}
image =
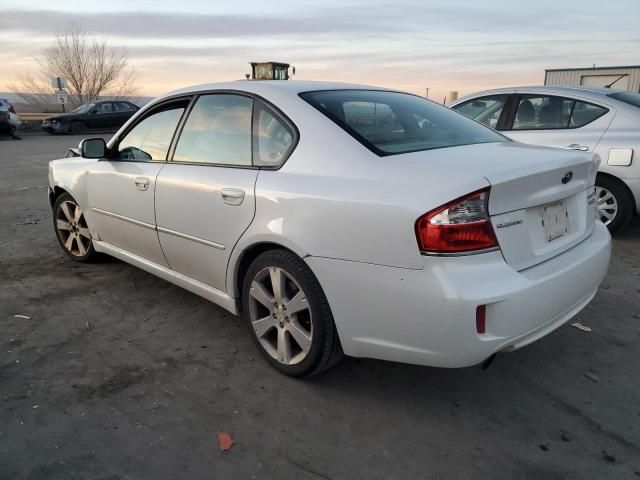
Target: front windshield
{"type": "Point", "coordinates": [84, 108]}
{"type": "Point", "coordinates": [389, 123]}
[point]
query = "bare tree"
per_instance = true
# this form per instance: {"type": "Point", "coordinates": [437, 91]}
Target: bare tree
{"type": "Point", "coordinates": [91, 67]}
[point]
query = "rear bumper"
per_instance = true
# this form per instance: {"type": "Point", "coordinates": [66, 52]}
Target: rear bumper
{"type": "Point", "coordinates": [427, 316]}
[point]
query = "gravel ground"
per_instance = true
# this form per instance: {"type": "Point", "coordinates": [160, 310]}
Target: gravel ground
{"type": "Point", "coordinates": [116, 374]}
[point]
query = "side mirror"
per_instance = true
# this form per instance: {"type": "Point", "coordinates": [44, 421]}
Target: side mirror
{"type": "Point", "coordinates": [93, 148]}
{"type": "Point", "coordinates": [94, 111]}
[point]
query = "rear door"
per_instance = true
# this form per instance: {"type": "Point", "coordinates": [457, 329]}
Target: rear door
{"type": "Point", "coordinates": [555, 121]}
{"type": "Point", "coordinates": [121, 187]}
{"type": "Point", "coordinates": [205, 194]}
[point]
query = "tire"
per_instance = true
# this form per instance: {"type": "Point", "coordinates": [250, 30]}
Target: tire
{"type": "Point", "coordinates": [78, 128]}
{"type": "Point", "coordinates": [72, 231]}
{"type": "Point", "coordinates": [309, 332]}
{"type": "Point", "coordinates": [615, 205]}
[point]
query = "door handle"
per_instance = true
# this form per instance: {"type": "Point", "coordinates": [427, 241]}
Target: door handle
{"type": "Point", "coordinates": [575, 146]}
{"type": "Point", "coordinates": [232, 196]}
{"type": "Point", "coordinates": [142, 183]}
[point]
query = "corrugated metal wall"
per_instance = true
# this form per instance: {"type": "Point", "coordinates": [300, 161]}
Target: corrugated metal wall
{"type": "Point", "coordinates": [574, 77]}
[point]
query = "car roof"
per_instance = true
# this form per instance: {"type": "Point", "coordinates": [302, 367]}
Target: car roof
{"type": "Point", "coordinates": [594, 92]}
{"type": "Point", "coordinates": [259, 87]}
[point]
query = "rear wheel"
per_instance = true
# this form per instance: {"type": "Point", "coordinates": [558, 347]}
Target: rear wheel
{"type": "Point", "coordinates": [71, 229]}
{"type": "Point", "coordinates": [614, 203]}
{"type": "Point", "coordinates": [78, 128]}
{"type": "Point", "coordinates": [289, 315]}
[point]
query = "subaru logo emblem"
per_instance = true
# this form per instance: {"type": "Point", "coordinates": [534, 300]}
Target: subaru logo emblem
{"type": "Point", "coordinates": [566, 178]}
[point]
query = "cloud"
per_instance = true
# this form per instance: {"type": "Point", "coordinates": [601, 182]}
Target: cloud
{"type": "Point", "coordinates": [184, 25]}
{"type": "Point", "coordinates": [346, 20]}
{"type": "Point", "coordinates": [452, 44]}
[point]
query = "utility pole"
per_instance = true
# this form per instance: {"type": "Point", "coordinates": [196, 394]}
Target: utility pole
{"type": "Point", "coordinates": [427, 95]}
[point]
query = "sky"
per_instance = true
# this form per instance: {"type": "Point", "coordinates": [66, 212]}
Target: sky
{"type": "Point", "coordinates": [462, 45]}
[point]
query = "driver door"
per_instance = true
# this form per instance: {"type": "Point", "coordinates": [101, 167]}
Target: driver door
{"type": "Point", "coordinates": [121, 188]}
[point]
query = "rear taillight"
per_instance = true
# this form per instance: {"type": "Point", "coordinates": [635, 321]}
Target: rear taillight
{"type": "Point", "coordinates": [460, 226]}
{"type": "Point", "coordinates": [11, 109]}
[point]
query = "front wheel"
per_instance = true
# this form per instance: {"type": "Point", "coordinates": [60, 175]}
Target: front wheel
{"type": "Point", "coordinates": [614, 203]}
{"type": "Point", "coordinates": [289, 315]}
{"type": "Point", "coordinates": [71, 229]}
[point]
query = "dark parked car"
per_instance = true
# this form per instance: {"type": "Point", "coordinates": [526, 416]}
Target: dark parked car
{"type": "Point", "coordinates": [107, 115]}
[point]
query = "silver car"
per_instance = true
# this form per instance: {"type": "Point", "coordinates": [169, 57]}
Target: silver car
{"type": "Point", "coordinates": [599, 120]}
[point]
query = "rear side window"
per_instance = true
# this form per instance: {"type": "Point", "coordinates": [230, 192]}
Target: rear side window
{"type": "Point", "coordinates": [542, 112]}
{"type": "Point", "coordinates": [218, 131]}
{"type": "Point", "coordinates": [390, 123]}
{"type": "Point", "coordinates": [548, 112]}
{"type": "Point", "coordinates": [627, 97]}
{"type": "Point", "coordinates": [584, 113]}
{"type": "Point", "coordinates": [150, 139]}
{"type": "Point", "coordinates": [274, 139]}
{"type": "Point", "coordinates": [485, 110]}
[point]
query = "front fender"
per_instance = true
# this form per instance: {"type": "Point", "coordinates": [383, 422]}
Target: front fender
{"type": "Point", "coordinates": [70, 175]}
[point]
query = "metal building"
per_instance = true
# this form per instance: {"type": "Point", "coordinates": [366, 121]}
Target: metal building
{"type": "Point", "coordinates": [621, 78]}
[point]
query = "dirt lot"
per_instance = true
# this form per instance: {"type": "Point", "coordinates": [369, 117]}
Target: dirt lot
{"type": "Point", "coordinates": [116, 374]}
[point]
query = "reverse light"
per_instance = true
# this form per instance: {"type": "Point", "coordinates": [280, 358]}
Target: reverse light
{"type": "Point", "coordinates": [458, 227]}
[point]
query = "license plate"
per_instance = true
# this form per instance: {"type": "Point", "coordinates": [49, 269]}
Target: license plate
{"type": "Point", "coordinates": [555, 220]}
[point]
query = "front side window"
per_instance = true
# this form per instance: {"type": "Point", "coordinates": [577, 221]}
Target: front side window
{"type": "Point", "coordinates": [122, 107]}
{"type": "Point", "coordinates": [485, 110]}
{"type": "Point", "coordinates": [104, 108]}
{"type": "Point", "coordinates": [150, 139]}
{"type": "Point", "coordinates": [218, 131]}
{"type": "Point", "coordinates": [274, 140]}
{"type": "Point", "coordinates": [390, 123]}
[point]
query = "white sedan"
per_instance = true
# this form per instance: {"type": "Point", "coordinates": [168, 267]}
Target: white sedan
{"type": "Point", "coordinates": [340, 218]}
{"type": "Point", "coordinates": [589, 119]}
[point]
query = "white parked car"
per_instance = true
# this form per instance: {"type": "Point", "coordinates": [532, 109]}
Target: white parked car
{"type": "Point", "coordinates": [339, 218]}
{"type": "Point", "coordinates": [590, 119]}
{"type": "Point", "coordinates": [10, 122]}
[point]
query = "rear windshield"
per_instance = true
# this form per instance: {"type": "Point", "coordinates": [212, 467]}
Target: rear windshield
{"type": "Point", "coordinates": [389, 123]}
{"type": "Point", "coordinates": [627, 97]}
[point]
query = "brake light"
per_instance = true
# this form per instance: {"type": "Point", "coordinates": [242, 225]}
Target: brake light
{"type": "Point", "coordinates": [460, 226]}
{"type": "Point", "coordinates": [11, 109]}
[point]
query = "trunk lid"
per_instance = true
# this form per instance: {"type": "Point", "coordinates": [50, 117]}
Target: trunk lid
{"type": "Point", "coordinates": [539, 210]}
{"type": "Point", "coordinates": [523, 180]}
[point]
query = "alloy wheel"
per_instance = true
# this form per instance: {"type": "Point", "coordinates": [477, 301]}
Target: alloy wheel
{"type": "Point", "coordinates": [607, 205]}
{"type": "Point", "coordinates": [280, 315]}
{"type": "Point", "coordinates": [72, 229]}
